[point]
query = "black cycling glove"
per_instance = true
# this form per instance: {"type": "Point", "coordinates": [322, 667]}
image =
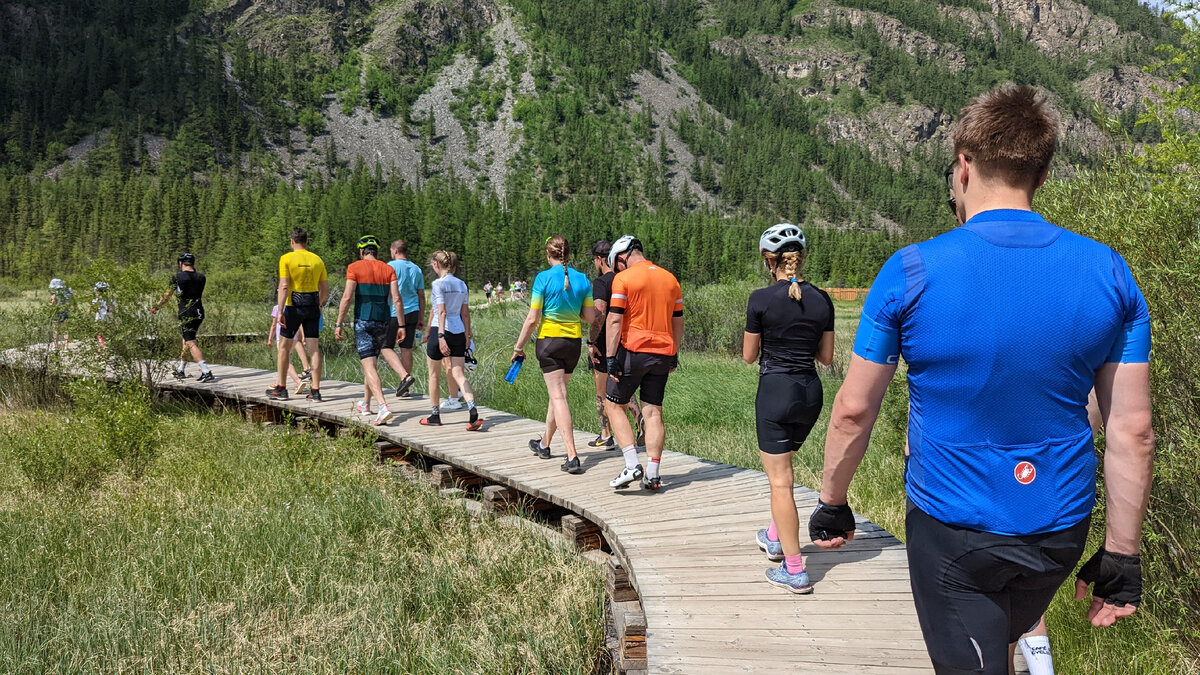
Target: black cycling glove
{"type": "Point", "coordinates": [612, 366]}
{"type": "Point", "coordinates": [829, 522]}
{"type": "Point", "coordinates": [1117, 578]}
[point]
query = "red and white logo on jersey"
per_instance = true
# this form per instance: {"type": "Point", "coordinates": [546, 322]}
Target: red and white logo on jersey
{"type": "Point", "coordinates": [1024, 473]}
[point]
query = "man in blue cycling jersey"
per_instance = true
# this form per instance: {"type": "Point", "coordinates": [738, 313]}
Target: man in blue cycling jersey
{"type": "Point", "coordinates": [1006, 324]}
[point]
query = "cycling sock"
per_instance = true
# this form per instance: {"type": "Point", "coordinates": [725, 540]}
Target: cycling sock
{"type": "Point", "coordinates": [181, 366]}
{"type": "Point", "coordinates": [203, 366]}
{"type": "Point", "coordinates": [794, 563]}
{"type": "Point", "coordinates": [1036, 650]}
{"type": "Point", "coordinates": [630, 452]}
{"type": "Point", "coordinates": [772, 531]}
{"type": "Point", "coordinates": [471, 404]}
{"type": "Point", "coordinates": [437, 411]}
{"type": "Point", "coordinates": [652, 467]}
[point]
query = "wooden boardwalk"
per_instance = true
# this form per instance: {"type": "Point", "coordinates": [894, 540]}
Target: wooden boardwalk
{"type": "Point", "coordinates": [689, 549]}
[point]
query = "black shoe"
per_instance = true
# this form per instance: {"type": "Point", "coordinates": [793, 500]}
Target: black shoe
{"type": "Point", "coordinates": [535, 444]}
{"type": "Point", "coordinates": [306, 375]}
{"type": "Point", "coordinates": [652, 484]}
{"type": "Point", "coordinates": [602, 442]}
{"type": "Point", "coordinates": [206, 377]}
{"type": "Point", "coordinates": [405, 385]}
{"type": "Point", "coordinates": [277, 393]}
{"type": "Point", "coordinates": [572, 465]}
{"type": "Point", "coordinates": [180, 375]}
{"type": "Point", "coordinates": [314, 395]}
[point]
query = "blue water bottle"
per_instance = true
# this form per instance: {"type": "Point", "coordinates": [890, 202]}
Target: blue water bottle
{"type": "Point", "coordinates": [511, 375]}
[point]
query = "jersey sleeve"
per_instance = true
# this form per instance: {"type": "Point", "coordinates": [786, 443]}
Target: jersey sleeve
{"type": "Point", "coordinates": [1132, 344]}
{"type": "Point", "coordinates": [753, 315]}
{"type": "Point", "coordinates": [537, 301]}
{"type": "Point", "coordinates": [321, 276]}
{"type": "Point", "coordinates": [616, 301]}
{"type": "Point", "coordinates": [283, 268]}
{"type": "Point", "coordinates": [878, 336]}
{"type": "Point", "coordinates": [829, 302]}
{"type": "Point", "coordinates": [600, 290]}
{"type": "Point", "coordinates": [438, 297]}
{"type": "Point", "coordinates": [588, 297]}
{"type": "Point", "coordinates": [352, 273]}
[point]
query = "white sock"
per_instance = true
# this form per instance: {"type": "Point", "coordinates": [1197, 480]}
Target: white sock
{"type": "Point", "coordinates": [652, 468]}
{"type": "Point", "coordinates": [542, 445]}
{"type": "Point", "coordinates": [203, 366]}
{"type": "Point", "coordinates": [181, 365]}
{"type": "Point", "coordinates": [630, 452]}
{"type": "Point", "coordinates": [1036, 650]}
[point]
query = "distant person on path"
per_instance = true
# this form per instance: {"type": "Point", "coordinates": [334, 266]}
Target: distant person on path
{"type": "Point", "coordinates": [411, 283]}
{"type": "Point", "coordinates": [371, 285]}
{"type": "Point", "coordinates": [597, 337]}
{"type": "Point", "coordinates": [562, 296]}
{"type": "Point", "coordinates": [487, 292]}
{"type": "Point", "coordinates": [60, 297]}
{"type": "Point", "coordinates": [448, 336]}
{"type": "Point", "coordinates": [645, 331]}
{"type": "Point", "coordinates": [789, 329]}
{"type": "Point", "coordinates": [303, 289]}
{"type": "Point", "coordinates": [1006, 323]}
{"type": "Point", "coordinates": [273, 338]}
{"type": "Point", "coordinates": [188, 286]}
{"type": "Point", "coordinates": [104, 307]}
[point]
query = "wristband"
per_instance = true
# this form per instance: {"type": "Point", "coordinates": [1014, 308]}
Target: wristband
{"type": "Point", "coordinates": [1117, 577]}
{"type": "Point", "coordinates": [830, 522]}
{"type": "Point", "coordinates": [338, 325]}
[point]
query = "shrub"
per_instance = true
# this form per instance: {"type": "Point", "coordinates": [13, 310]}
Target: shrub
{"type": "Point", "coordinates": [56, 451]}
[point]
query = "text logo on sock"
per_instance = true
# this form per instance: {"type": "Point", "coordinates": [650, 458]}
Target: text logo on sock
{"type": "Point", "coordinates": [1024, 473]}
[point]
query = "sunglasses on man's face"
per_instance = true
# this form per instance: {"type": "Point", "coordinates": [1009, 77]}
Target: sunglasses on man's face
{"type": "Point", "coordinates": [951, 202]}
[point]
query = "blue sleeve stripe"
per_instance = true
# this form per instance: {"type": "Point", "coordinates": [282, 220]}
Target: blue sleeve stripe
{"type": "Point", "coordinates": [877, 343]}
{"type": "Point", "coordinates": [914, 273]}
{"type": "Point", "coordinates": [1133, 343]}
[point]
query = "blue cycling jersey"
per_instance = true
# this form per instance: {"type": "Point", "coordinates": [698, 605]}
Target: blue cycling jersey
{"type": "Point", "coordinates": [1003, 323]}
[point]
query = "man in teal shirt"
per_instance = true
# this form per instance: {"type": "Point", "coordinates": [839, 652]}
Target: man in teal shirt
{"type": "Point", "coordinates": [412, 296]}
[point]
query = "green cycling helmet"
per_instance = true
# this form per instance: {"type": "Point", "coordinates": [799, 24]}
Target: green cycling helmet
{"type": "Point", "coordinates": [367, 240]}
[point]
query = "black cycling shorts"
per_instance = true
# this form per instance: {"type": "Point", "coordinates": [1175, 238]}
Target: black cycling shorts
{"type": "Point", "coordinates": [456, 341]}
{"type": "Point", "coordinates": [785, 410]}
{"type": "Point", "coordinates": [189, 325]}
{"type": "Point", "coordinates": [978, 592]}
{"type": "Point", "coordinates": [295, 318]}
{"type": "Point", "coordinates": [639, 370]}
{"type": "Point", "coordinates": [410, 329]}
{"type": "Point", "coordinates": [557, 353]}
{"type": "Point", "coordinates": [371, 338]}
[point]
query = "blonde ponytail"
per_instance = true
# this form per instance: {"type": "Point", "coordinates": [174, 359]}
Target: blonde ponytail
{"type": "Point", "coordinates": [558, 249]}
{"type": "Point", "coordinates": [792, 262]}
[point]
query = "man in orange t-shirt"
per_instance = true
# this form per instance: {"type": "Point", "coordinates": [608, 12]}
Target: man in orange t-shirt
{"type": "Point", "coordinates": [370, 283]}
{"type": "Point", "coordinates": [644, 333]}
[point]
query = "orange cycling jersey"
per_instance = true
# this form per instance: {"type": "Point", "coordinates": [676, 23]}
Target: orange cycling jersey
{"type": "Point", "coordinates": [648, 296]}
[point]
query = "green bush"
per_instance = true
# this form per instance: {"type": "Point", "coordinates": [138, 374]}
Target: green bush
{"type": "Point", "coordinates": [56, 451]}
{"type": "Point", "coordinates": [715, 317]}
{"type": "Point", "coordinates": [121, 421]}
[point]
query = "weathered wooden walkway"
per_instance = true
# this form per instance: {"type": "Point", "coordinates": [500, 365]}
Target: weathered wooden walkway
{"type": "Point", "coordinates": [688, 550]}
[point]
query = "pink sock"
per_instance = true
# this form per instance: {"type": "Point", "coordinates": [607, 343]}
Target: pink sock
{"type": "Point", "coordinates": [794, 564]}
{"type": "Point", "coordinates": [772, 531]}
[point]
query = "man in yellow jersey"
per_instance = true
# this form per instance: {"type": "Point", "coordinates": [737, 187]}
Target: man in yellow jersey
{"type": "Point", "coordinates": [303, 289]}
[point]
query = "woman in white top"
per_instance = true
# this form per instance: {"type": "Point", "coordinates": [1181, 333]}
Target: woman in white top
{"type": "Point", "coordinates": [448, 336]}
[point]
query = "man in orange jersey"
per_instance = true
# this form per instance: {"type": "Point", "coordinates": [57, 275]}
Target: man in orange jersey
{"type": "Point", "coordinates": [644, 333]}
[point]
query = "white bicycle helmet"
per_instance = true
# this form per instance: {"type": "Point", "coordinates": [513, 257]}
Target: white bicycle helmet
{"type": "Point", "coordinates": [56, 284]}
{"type": "Point", "coordinates": [101, 285]}
{"type": "Point", "coordinates": [778, 236]}
{"type": "Point", "coordinates": [620, 246]}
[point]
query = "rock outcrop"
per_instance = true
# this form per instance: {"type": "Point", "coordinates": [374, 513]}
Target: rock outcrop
{"type": "Point", "coordinates": [1060, 26]}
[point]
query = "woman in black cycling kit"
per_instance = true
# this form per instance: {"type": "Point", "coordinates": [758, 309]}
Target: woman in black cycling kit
{"type": "Point", "coordinates": [789, 328]}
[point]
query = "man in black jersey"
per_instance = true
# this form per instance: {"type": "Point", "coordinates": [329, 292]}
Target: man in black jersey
{"type": "Point", "coordinates": [188, 286]}
{"type": "Point", "coordinates": [601, 293]}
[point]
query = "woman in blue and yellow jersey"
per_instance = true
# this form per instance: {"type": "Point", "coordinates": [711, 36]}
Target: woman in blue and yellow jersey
{"type": "Point", "coordinates": [562, 298]}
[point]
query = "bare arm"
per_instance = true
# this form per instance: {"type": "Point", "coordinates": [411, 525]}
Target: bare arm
{"type": "Point", "coordinates": [597, 323]}
{"type": "Point", "coordinates": [421, 305]}
{"type": "Point", "coordinates": [677, 332]}
{"type": "Point", "coordinates": [1123, 392]}
{"type": "Point", "coordinates": [323, 288]}
{"type": "Point", "coordinates": [751, 345]}
{"type": "Point", "coordinates": [281, 297]}
{"type": "Point", "coordinates": [825, 349]}
{"type": "Point", "coordinates": [613, 336]}
{"type": "Point", "coordinates": [344, 306]}
{"type": "Point", "coordinates": [588, 314]}
{"type": "Point", "coordinates": [854, 413]}
{"type": "Point", "coordinates": [161, 301]}
{"type": "Point", "coordinates": [531, 321]}
{"type": "Point", "coordinates": [464, 313]}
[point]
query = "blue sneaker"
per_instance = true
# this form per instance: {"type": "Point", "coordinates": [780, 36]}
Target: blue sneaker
{"type": "Point", "coordinates": [796, 583]}
{"type": "Point", "coordinates": [773, 549]}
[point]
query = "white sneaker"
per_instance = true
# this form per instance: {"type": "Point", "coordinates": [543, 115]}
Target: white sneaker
{"type": "Point", "coordinates": [453, 404]}
{"type": "Point", "coordinates": [383, 417]}
{"type": "Point", "coordinates": [362, 408]}
{"type": "Point", "coordinates": [627, 476]}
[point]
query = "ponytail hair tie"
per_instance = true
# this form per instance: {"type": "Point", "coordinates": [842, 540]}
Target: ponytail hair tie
{"type": "Point", "coordinates": [793, 280]}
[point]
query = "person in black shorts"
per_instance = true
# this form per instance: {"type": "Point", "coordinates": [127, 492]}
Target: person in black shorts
{"type": "Point", "coordinates": [188, 286]}
{"type": "Point", "coordinates": [601, 292]}
{"type": "Point", "coordinates": [789, 328]}
{"type": "Point", "coordinates": [303, 290]}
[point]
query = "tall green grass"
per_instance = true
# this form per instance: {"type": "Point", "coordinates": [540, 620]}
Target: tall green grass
{"type": "Point", "coordinates": [241, 549]}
